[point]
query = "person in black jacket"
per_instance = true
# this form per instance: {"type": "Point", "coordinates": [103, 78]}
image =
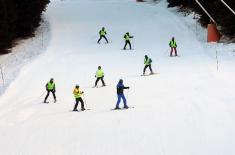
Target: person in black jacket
{"type": "Point", "coordinates": [120, 94]}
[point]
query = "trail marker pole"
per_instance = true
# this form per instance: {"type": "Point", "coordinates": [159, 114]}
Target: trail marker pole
{"type": "Point", "coordinates": [3, 81]}
{"type": "Point", "coordinates": [217, 61]}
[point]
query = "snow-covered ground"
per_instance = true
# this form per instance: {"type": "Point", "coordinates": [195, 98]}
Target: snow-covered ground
{"type": "Point", "coordinates": [186, 109]}
{"type": "Point", "coordinates": [25, 51]}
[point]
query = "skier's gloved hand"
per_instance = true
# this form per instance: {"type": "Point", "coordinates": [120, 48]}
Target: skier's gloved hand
{"type": "Point", "coordinates": [128, 87]}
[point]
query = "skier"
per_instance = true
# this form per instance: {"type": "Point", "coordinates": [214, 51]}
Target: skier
{"type": "Point", "coordinates": [77, 94]}
{"type": "Point", "coordinates": [147, 62]}
{"type": "Point", "coordinates": [120, 94]}
{"type": "Point", "coordinates": [127, 38]}
{"type": "Point", "coordinates": [102, 33]}
{"type": "Point", "coordinates": [99, 76]}
{"type": "Point", "coordinates": [173, 46]}
{"type": "Point", "coordinates": [50, 87]}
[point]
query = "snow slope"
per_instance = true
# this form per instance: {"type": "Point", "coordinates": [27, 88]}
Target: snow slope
{"type": "Point", "coordinates": [187, 109]}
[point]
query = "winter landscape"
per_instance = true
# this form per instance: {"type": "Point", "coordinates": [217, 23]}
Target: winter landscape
{"type": "Point", "coordinates": [186, 108]}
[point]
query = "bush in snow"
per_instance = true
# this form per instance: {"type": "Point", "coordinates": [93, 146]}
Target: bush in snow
{"type": "Point", "coordinates": [222, 15]}
{"type": "Point", "coordinates": [19, 19]}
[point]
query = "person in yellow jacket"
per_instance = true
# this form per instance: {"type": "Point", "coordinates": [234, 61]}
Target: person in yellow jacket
{"type": "Point", "coordinates": [50, 87]}
{"type": "Point", "coordinates": [102, 34]}
{"type": "Point", "coordinates": [127, 38]}
{"type": "Point", "coordinates": [78, 98]}
{"type": "Point", "coordinates": [173, 46]}
{"type": "Point", "coordinates": [99, 76]}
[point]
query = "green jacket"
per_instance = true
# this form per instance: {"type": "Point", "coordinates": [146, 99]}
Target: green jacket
{"type": "Point", "coordinates": [173, 44]}
{"type": "Point", "coordinates": [77, 93]}
{"type": "Point", "coordinates": [102, 32]}
{"type": "Point", "coordinates": [127, 37]}
{"type": "Point", "coordinates": [147, 61]}
{"type": "Point", "coordinates": [99, 73]}
{"type": "Point", "coordinates": [50, 86]}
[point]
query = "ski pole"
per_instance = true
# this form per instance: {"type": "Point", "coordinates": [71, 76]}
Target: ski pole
{"type": "Point", "coordinates": [127, 94]}
{"type": "Point", "coordinates": [42, 94]}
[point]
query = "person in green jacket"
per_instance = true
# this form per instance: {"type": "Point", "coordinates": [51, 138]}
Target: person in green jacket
{"type": "Point", "coordinates": [147, 62]}
{"type": "Point", "coordinates": [173, 46]}
{"type": "Point", "coordinates": [50, 87]}
{"type": "Point", "coordinates": [127, 38]}
{"type": "Point", "coordinates": [102, 34]}
{"type": "Point", "coordinates": [99, 76]}
{"type": "Point", "coordinates": [78, 98]}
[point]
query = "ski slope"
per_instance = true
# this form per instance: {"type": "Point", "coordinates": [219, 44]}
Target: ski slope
{"type": "Point", "coordinates": [186, 109]}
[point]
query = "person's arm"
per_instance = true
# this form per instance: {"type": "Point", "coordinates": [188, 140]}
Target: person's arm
{"type": "Point", "coordinates": [126, 87]}
{"type": "Point", "coordinates": [54, 89]}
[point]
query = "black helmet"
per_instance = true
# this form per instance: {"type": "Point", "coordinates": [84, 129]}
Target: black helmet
{"type": "Point", "coordinates": [77, 86]}
{"type": "Point", "coordinates": [103, 28]}
{"type": "Point", "coordinates": [51, 80]}
{"type": "Point", "coordinates": [127, 33]}
{"type": "Point", "coordinates": [99, 67]}
{"type": "Point", "coordinates": [120, 81]}
{"type": "Point", "coordinates": [145, 56]}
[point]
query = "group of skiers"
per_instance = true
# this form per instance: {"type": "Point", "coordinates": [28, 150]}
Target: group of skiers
{"type": "Point", "coordinates": [128, 37]}
{"type": "Point", "coordinates": [50, 86]}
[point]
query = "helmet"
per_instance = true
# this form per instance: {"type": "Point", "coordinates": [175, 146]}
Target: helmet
{"type": "Point", "coordinates": [127, 33]}
{"type": "Point", "coordinates": [102, 28]}
{"type": "Point", "coordinates": [77, 86]}
{"type": "Point", "coordinates": [99, 67]}
{"type": "Point", "coordinates": [145, 56]}
{"type": "Point", "coordinates": [120, 81]}
{"type": "Point", "coordinates": [51, 80]}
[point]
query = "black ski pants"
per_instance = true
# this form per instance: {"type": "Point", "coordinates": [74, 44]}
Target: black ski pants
{"type": "Point", "coordinates": [48, 93]}
{"type": "Point", "coordinates": [129, 43]}
{"type": "Point", "coordinates": [148, 66]}
{"type": "Point", "coordinates": [77, 102]}
{"type": "Point", "coordinates": [104, 38]}
{"type": "Point", "coordinates": [98, 79]}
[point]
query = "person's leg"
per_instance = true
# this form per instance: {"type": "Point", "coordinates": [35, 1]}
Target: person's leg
{"type": "Point", "coordinates": [76, 105]}
{"type": "Point", "coordinates": [82, 103]}
{"type": "Point", "coordinates": [45, 100]}
{"type": "Point", "coordinates": [53, 92]}
{"type": "Point", "coordinates": [97, 80]}
{"type": "Point", "coordinates": [145, 69]}
{"type": "Point", "coordinates": [175, 51]}
{"type": "Point", "coordinates": [171, 51]}
{"type": "Point", "coordinates": [106, 39]}
{"type": "Point", "coordinates": [124, 100]}
{"type": "Point", "coordinates": [129, 44]}
{"type": "Point", "coordinates": [102, 79]}
{"type": "Point", "coordinates": [118, 101]}
{"type": "Point", "coordinates": [99, 39]}
{"type": "Point", "coordinates": [125, 45]}
{"type": "Point", "coordinates": [150, 67]}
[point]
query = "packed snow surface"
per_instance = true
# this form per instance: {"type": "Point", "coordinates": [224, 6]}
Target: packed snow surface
{"type": "Point", "coordinates": [188, 108]}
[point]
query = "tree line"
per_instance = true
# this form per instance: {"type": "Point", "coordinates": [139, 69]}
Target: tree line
{"type": "Point", "coordinates": [19, 19]}
{"type": "Point", "coordinates": [222, 15]}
